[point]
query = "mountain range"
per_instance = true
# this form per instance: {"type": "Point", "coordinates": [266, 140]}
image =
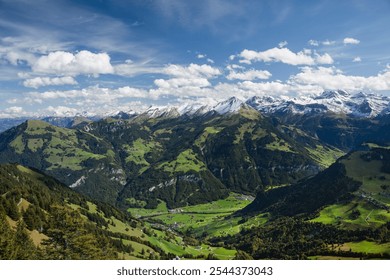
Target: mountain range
{"type": "Point", "coordinates": [363, 105]}
{"type": "Point", "coordinates": [366, 105]}
{"type": "Point", "coordinates": [323, 159]}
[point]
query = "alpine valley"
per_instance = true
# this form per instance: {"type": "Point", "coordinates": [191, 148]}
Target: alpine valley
{"type": "Point", "coordinates": [268, 177]}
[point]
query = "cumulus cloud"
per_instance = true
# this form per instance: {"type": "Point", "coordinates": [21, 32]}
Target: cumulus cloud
{"type": "Point", "coordinates": [248, 89]}
{"type": "Point", "coordinates": [324, 59]}
{"type": "Point", "coordinates": [314, 43]}
{"type": "Point", "coordinates": [16, 57]}
{"type": "Point", "coordinates": [182, 82]}
{"type": "Point", "coordinates": [286, 56]}
{"type": "Point", "coordinates": [232, 67]}
{"type": "Point", "coordinates": [47, 81]}
{"type": "Point", "coordinates": [283, 44]}
{"type": "Point", "coordinates": [204, 56]}
{"type": "Point", "coordinates": [330, 78]}
{"type": "Point", "coordinates": [66, 63]}
{"type": "Point", "coordinates": [328, 43]}
{"type": "Point", "coordinates": [193, 70]}
{"type": "Point", "coordinates": [60, 111]}
{"type": "Point", "coordinates": [357, 59]}
{"type": "Point", "coordinates": [249, 75]}
{"type": "Point", "coordinates": [351, 41]}
{"type": "Point", "coordinates": [12, 112]}
{"type": "Point", "coordinates": [271, 88]}
{"type": "Point", "coordinates": [131, 69]}
{"type": "Point", "coordinates": [186, 80]}
{"type": "Point", "coordinates": [95, 94]}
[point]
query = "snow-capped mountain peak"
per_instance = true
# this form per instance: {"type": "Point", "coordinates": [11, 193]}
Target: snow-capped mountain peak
{"type": "Point", "coordinates": [230, 105]}
{"type": "Point", "coordinates": [334, 94]}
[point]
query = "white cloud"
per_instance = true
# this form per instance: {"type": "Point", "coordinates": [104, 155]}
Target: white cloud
{"type": "Point", "coordinates": [88, 96]}
{"type": "Point", "coordinates": [60, 111]}
{"type": "Point", "coordinates": [193, 70]}
{"type": "Point", "coordinates": [286, 56]}
{"type": "Point", "coordinates": [185, 80]}
{"type": "Point", "coordinates": [232, 67]}
{"type": "Point", "coordinates": [47, 81]}
{"type": "Point", "coordinates": [283, 44]}
{"type": "Point", "coordinates": [249, 75]}
{"type": "Point", "coordinates": [66, 63]}
{"type": "Point", "coordinates": [182, 82]}
{"type": "Point", "coordinates": [204, 56]}
{"type": "Point", "coordinates": [333, 79]}
{"type": "Point", "coordinates": [268, 88]}
{"type": "Point", "coordinates": [131, 69]}
{"type": "Point", "coordinates": [12, 112]}
{"type": "Point", "coordinates": [324, 59]}
{"type": "Point", "coordinates": [127, 91]}
{"type": "Point", "coordinates": [248, 89]}
{"type": "Point", "coordinates": [17, 57]}
{"type": "Point", "coordinates": [351, 41]}
{"type": "Point", "coordinates": [328, 43]}
{"type": "Point", "coordinates": [314, 43]}
{"type": "Point", "coordinates": [357, 59]}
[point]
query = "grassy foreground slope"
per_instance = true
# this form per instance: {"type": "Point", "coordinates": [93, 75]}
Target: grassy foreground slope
{"type": "Point", "coordinates": [41, 218]}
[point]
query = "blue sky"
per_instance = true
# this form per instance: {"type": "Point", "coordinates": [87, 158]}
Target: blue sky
{"type": "Point", "coordinates": [62, 57]}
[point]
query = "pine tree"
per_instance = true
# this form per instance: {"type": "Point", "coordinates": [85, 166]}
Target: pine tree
{"type": "Point", "coordinates": [5, 238]}
{"type": "Point", "coordinates": [69, 238]}
{"type": "Point", "coordinates": [23, 246]}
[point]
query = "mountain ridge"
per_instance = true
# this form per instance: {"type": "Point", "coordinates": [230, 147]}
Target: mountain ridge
{"type": "Point", "coordinates": [360, 105]}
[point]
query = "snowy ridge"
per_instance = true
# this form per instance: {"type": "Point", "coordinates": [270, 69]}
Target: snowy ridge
{"type": "Point", "coordinates": [231, 105]}
{"type": "Point", "coordinates": [361, 105]}
{"type": "Point", "coordinates": [358, 105]}
{"type": "Point", "coordinates": [366, 105]}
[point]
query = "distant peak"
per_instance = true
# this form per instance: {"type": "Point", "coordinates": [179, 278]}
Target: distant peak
{"type": "Point", "coordinates": [334, 94]}
{"type": "Point", "coordinates": [231, 105]}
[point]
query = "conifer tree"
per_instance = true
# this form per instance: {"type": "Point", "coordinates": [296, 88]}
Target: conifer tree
{"type": "Point", "coordinates": [5, 238]}
{"type": "Point", "coordinates": [23, 246]}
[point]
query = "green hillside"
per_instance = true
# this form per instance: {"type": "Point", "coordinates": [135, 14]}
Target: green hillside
{"type": "Point", "coordinates": [218, 186]}
{"type": "Point", "coordinates": [43, 219]}
{"type": "Point", "coordinates": [350, 199]}
{"type": "Point", "coordinates": [66, 154]}
{"type": "Point", "coordinates": [180, 160]}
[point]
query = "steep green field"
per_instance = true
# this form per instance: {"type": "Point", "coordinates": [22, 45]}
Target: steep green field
{"type": "Point", "coordinates": [137, 151]}
{"type": "Point", "coordinates": [325, 156]}
{"type": "Point", "coordinates": [186, 161]}
{"type": "Point", "coordinates": [355, 214]}
{"type": "Point", "coordinates": [366, 247]}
